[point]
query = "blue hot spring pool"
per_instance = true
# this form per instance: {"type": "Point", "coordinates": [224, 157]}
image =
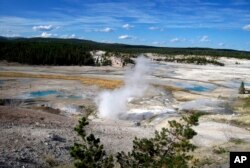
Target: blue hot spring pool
{"type": "Point", "coordinates": [43, 93]}
{"type": "Point", "coordinates": [196, 87]}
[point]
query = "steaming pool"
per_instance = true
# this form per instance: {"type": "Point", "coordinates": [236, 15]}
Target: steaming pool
{"type": "Point", "coordinates": [195, 87]}
{"type": "Point", "coordinates": [65, 102]}
{"type": "Point", "coordinates": [37, 94]}
{"type": "Point", "coordinates": [47, 93]}
{"type": "Point", "coordinates": [149, 113]}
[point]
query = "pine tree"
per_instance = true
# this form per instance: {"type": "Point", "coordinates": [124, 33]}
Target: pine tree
{"type": "Point", "coordinates": [242, 88]}
{"type": "Point", "coordinates": [169, 148]}
{"type": "Point", "coordinates": [90, 153]}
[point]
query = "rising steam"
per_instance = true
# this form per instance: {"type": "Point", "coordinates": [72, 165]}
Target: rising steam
{"type": "Point", "coordinates": [112, 104]}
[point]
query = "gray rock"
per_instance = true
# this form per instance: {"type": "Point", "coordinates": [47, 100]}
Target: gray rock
{"type": "Point", "coordinates": [137, 124]}
{"type": "Point", "coordinates": [58, 138]}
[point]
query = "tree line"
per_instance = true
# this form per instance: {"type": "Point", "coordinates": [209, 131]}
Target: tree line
{"type": "Point", "coordinates": [198, 60]}
{"type": "Point", "coordinates": [42, 53]}
{"type": "Point", "coordinates": [54, 51]}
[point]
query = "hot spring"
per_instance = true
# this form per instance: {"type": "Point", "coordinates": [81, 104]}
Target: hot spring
{"type": "Point", "coordinates": [137, 99]}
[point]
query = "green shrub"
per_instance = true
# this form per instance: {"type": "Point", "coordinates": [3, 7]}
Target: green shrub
{"type": "Point", "coordinates": [90, 153]}
{"type": "Point", "coordinates": [219, 150]}
{"type": "Point", "coordinates": [168, 148]}
{"type": "Point", "coordinates": [242, 88]}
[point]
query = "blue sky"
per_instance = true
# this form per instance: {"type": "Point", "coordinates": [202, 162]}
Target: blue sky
{"type": "Point", "coordinates": [170, 23]}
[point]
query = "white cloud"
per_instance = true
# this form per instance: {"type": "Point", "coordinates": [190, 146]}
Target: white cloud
{"type": "Point", "coordinates": [43, 28]}
{"type": "Point", "coordinates": [247, 27]}
{"type": "Point", "coordinates": [127, 26]}
{"type": "Point", "coordinates": [106, 30]}
{"type": "Point", "coordinates": [111, 14]}
{"type": "Point", "coordinates": [155, 28]}
{"type": "Point", "coordinates": [125, 37]}
{"type": "Point", "coordinates": [158, 42]}
{"type": "Point", "coordinates": [10, 35]}
{"type": "Point", "coordinates": [174, 40]}
{"type": "Point", "coordinates": [221, 44]}
{"type": "Point", "coordinates": [46, 35]}
{"type": "Point", "coordinates": [204, 39]}
{"type": "Point", "coordinates": [68, 36]}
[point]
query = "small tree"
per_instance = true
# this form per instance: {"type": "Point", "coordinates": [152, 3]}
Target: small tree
{"type": "Point", "coordinates": [90, 153]}
{"type": "Point", "coordinates": [242, 88]}
{"type": "Point", "coordinates": [168, 148]}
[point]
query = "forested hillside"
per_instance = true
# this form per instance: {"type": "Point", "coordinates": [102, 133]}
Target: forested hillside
{"type": "Point", "coordinates": [53, 51]}
{"type": "Point", "coordinates": [44, 53]}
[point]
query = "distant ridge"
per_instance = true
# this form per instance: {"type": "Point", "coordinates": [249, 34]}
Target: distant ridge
{"type": "Point", "coordinates": [133, 49]}
{"type": "Point", "coordinates": [83, 41]}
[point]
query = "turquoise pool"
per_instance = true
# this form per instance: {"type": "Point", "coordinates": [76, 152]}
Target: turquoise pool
{"type": "Point", "coordinates": [43, 93]}
{"type": "Point", "coordinates": [196, 87]}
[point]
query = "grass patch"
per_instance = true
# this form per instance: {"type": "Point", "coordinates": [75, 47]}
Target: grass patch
{"type": "Point", "coordinates": [242, 108]}
{"type": "Point", "coordinates": [246, 103]}
{"type": "Point", "coordinates": [242, 105]}
{"type": "Point", "coordinates": [236, 141]}
{"type": "Point", "coordinates": [66, 166]}
{"type": "Point", "coordinates": [171, 88]}
{"type": "Point", "coordinates": [103, 83]}
{"type": "Point", "coordinates": [219, 150]}
{"type": "Point", "coordinates": [50, 160]}
{"type": "Point", "coordinates": [218, 155]}
{"type": "Point", "coordinates": [202, 162]}
{"type": "Point", "coordinates": [241, 120]}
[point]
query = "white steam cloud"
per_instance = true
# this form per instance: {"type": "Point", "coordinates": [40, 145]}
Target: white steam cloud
{"type": "Point", "coordinates": [112, 104]}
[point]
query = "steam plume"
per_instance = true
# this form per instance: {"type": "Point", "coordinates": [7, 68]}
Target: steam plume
{"type": "Point", "coordinates": [112, 104]}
